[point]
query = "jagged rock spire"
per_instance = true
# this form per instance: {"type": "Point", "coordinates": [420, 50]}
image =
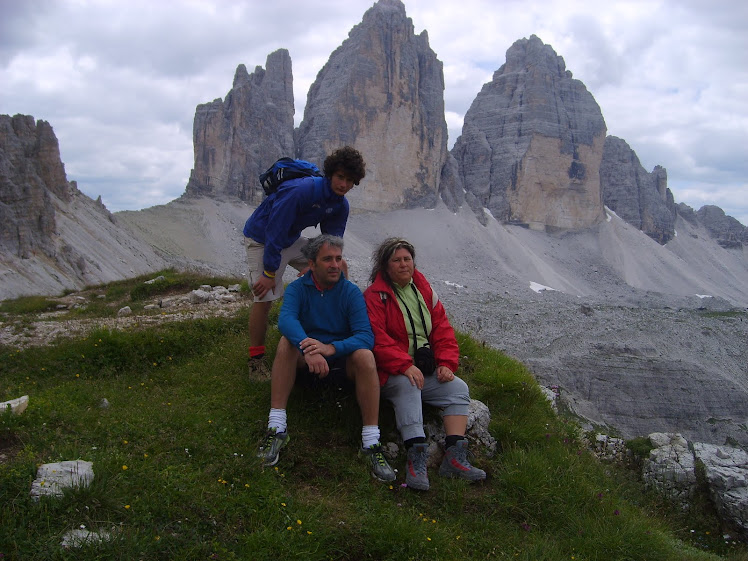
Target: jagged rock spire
{"type": "Point", "coordinates": [382, 91]}
{"type": "Point", "coordinates": [236, 139]}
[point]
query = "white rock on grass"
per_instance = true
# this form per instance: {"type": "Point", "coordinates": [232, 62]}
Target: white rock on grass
{"type": "Point", "coordinates": [80, 537]}
{"type": "Point", "coordinates": [53, 479]}
{"type": "Point", "coordinates": [16, 406]}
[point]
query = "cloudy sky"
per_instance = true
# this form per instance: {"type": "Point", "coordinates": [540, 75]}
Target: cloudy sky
{"type": "Point", "coordinates": [119, 80]}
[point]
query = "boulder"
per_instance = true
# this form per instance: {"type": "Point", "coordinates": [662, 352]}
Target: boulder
{"type": "Point", "coordinates": [479, 417]}
{"type": "Point", "coordinates": [726, 471]}
{"type": "Point", "coordinates": [670, 468]}
{"type": "Point", "coordinates": [16, 406]}
{"type": "Point", "coordinates": [54, 478]}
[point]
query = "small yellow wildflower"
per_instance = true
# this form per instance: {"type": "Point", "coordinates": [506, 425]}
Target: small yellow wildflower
{"type": "Point", "coordinates": [127, 507]}
{"type": "Point", "coordinates": [289, 528]}
{"type": "Point", "coordinates": [145, 455]}
{"type": "Point", "coordinates": [308, 532]}
{"type": "Point", "coordinates": [283, 504]}
{"type": "Point", "coordinates": [77, 375]}
{"type": "Point", "coordinates": [298, 522]}
{"type": "Point", "coordinates": [124, 467]}
{"type": "Point", "coordinates": [429, 539]}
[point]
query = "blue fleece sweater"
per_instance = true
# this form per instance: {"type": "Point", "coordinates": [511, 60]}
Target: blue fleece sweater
{"type": "Point", "coordinates": [336, 316]}
{"type": "Point", "coordinates": [299, 203]}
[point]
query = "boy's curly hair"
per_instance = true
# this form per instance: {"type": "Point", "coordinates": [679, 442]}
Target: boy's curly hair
{"type": "Point", "coordinates": [348, 160]}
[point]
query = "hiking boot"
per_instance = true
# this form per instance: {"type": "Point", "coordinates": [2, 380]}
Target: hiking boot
{"type": "Point", "coordinates": [380, 469]}
{"type": "Point", "coordinates": [258, 370]}
{"type": "Point", "coordinates": [416, 476]}
{"type": "Point", "coordinates": [456, 464]}
{"type": "Point", "coordinates": [271, 445]}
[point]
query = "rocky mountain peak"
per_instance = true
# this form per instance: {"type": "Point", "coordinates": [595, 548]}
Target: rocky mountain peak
{"type": "Point", "coordinates": [381, 91]}
{"type": "Point", "coordinates": [642, 199]}
{"type": "Point", "coordinates": [236, 139]}
{"type": "Point", "coordinates": [728, 231]}
{"type": "Point", "coordinates": [532, 142]}
{"type": "Point", "coordinates": [31, 174]}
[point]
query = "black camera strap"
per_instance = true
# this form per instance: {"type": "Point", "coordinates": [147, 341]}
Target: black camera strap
{"type": "Point", "coordinates": [410, 317]}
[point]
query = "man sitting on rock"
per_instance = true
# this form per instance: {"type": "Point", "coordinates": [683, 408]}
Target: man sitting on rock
{"type": "Point", "coordinates": [273, 234]}
{"type": "Point", "coordinates": [327, 337]}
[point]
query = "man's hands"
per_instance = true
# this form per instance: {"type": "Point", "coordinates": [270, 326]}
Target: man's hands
{"type": "Point", "coordinates": [263, 286]}
{"type": "Point", "coordinates": [314, 355]}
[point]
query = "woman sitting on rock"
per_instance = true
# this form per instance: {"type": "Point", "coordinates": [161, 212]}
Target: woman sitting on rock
{"type": "Point", "coordinates": [417, 354]}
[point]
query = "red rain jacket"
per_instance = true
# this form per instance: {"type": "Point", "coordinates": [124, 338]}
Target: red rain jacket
{"type": "Point", "coordinates": [391, 337]}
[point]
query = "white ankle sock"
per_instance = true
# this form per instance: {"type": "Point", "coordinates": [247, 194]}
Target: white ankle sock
{"type": "Point", "coordinates": [277, 420]}
{"type": "Point", "coordinates": [369, 435]}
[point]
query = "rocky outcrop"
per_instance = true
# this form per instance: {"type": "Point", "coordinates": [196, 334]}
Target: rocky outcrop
{"type": "Point", "coordinates": [687, 213]}
{"type": "Point", "coordinates": [674, 468]}
{"type": "Point", "coordinates": [728, 232]}
{"type": "Point", "coordinates": [382, 91]}
{"type": "Point", "coordinates": [532, 142]}
{"type": "Point", "coordinates": [30, 172]}
{"type": "Point", "coordinates": [642, 199]}
{"type": "Point", "coordinates": [238, 138]}
{"type": "Point", "coordinates": [52, 236]}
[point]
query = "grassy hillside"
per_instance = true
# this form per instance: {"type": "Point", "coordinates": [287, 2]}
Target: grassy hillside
{"type": "Point", "coordinates": [176, 475]}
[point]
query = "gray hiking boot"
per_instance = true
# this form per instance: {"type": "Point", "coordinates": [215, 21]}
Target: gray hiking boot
{"type": "Point", "coordinates": [456, 464]}
{"type": "Point", "coordinates": [416, 476]}
{"type": "Point", "coordinates": [271, 445]}
{"type": "Point", "coordinates": [380, 469]}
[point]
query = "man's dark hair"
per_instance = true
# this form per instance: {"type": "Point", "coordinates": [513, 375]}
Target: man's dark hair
{"type": "Point", "coordinates": [347, 160]}
{"type": "Point", "coordinates": [312, 247]}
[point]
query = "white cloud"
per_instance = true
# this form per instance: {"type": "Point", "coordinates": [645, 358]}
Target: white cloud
{"type": "Point", "coordinates": [119, 82]}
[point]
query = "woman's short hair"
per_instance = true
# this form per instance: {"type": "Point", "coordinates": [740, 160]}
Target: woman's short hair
{"type": "Point", "coordinates": [348, 160]}
{"type": "Point", "coordinates": [312, 247]}
{"type": "Point", "coordinates": [384, 252]}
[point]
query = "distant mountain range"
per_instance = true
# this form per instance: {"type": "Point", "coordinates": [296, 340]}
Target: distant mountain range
{"type": "Point", "coordinates": [533, 153]}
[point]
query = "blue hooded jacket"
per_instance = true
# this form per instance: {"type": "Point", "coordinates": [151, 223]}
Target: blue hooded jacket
{"type": "Point", "coordinates": [299, 203]}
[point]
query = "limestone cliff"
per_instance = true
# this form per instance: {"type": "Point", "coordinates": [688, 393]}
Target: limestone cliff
{"type": "Point", "coordinates": [238, 138]}
{"type": "Point", "coordinates": [52, 236]}
{"type": "Point", "coordinates": [381, 91]}
{"type": "Point", "coordinates": [642, 199]}
{"type": "Point", "coordinates": [728, 232]}
{"type": "Point", "coordinates": [532, 142]}
{"type": "Point", "coordinates": [30, 172]}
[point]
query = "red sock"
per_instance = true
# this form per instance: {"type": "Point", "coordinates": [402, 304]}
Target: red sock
{"type": "Point", "coordinates": [257, 352]}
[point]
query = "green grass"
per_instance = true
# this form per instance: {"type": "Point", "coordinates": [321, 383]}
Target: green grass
{"type": "Point", "coordinates": [176, 476]}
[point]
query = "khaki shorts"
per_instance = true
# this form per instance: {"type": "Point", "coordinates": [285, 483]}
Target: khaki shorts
{"type": "Point", "coordinates": [289, 256]}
